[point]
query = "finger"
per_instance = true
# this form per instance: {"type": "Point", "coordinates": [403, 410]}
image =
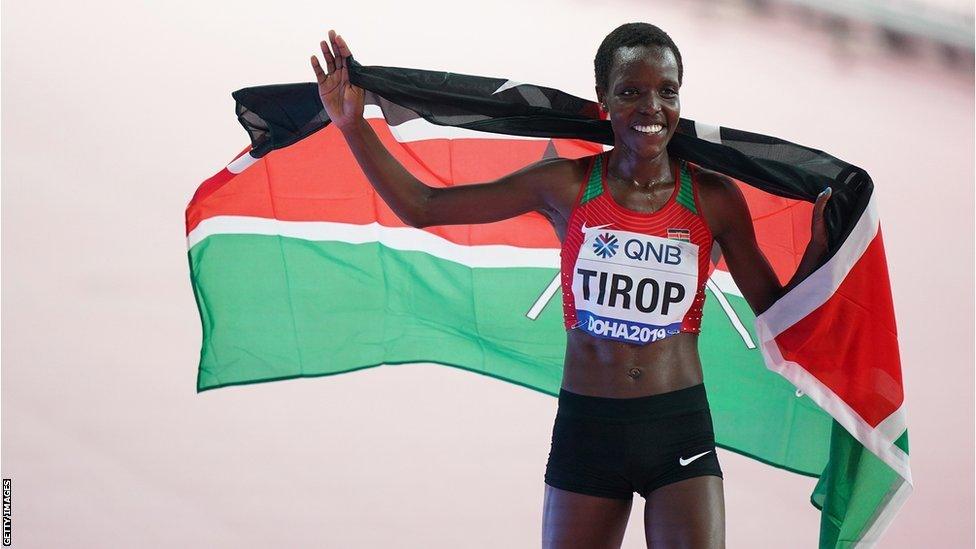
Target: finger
{"type": "Point", "coordinates": [344, 53]}
{"type": "Point", "coordinates": [825, 195]}
{"type": "Point", "coordinates": [327, 55]}
{"type": "Point", "coordinates": [319, 74]}
{"type": "Point", "coordinates": [822, 199]}
{"type": "Point", "coordinates": [339, 61]}
{"type": "Point", "coordinates": [343, 47]}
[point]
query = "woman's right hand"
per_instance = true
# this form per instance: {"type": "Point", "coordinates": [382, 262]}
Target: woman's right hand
{"type": "Point", "coordinates": [343, 102]}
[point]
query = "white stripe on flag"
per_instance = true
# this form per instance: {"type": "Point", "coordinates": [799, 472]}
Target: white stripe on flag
{"type": "Point", "coordinates": [878, 440]}
{"type": "Point", "coordinates": [419, 129]}
{"type": "Point", "coordinates": [708, 132]}
{"type": "Point", "coordinates": [886, 514]}
{"type": "Point", "coordinates": [241, 163]}
{"type": "Point", "coordinates": [398, 238]}
{"type": "Point", "coordinates": [801, 301]}
{"type": "Point", "coordinates": [817, 288]}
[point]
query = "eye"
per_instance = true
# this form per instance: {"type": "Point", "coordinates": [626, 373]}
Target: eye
{"type": "Point", "coordinates": [627, 92]}
{"type": "Point", "coordinates": [670, 92]}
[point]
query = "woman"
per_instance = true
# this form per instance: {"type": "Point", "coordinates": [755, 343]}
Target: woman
{"type": "Point", "coordinates": [637, 228]}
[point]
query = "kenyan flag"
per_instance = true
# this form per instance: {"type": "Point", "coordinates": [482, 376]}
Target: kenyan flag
{"type": "Point", "coordinates": [300, 270]}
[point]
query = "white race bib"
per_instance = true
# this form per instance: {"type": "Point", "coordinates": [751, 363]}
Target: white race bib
{"type": "Point", "coordinates": [633, 287]}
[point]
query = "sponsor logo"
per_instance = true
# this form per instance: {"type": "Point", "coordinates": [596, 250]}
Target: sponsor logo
{"type": "Point", "coordinates": [684, 461]}
{"type": "Point", "coordinates": [605, 245]}
{"type": "Point", "coordinates": [584, 228]}
{"type": "Point", "coordinates": [641, 250]}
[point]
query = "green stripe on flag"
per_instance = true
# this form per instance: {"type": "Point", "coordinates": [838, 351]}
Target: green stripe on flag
{"type": "Point", "coordinates": [290, 308]}
{"type": "Point", "coordinates": [275, 307]}
{"type": "Point", "coordinates": [855, 489]}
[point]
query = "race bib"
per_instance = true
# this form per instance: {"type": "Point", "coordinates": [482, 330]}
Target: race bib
{"type": "Point", "coordinates": [633, 287]}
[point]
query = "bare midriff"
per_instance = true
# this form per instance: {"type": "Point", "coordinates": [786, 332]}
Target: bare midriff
{"type": "Point", "coordinates": [605, 368]}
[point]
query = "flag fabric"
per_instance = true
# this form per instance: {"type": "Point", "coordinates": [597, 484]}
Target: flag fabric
{"type": "Point", "coordinates": [300, 269]}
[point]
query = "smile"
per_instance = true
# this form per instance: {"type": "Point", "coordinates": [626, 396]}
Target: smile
{"type": "Point", "coordinates": [654, 128]}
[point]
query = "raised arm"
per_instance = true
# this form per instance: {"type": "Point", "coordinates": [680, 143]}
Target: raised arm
{"type": "Point", "coordinates": [727, 214]}
{"type": "Point", "coordinates": [417, 204]}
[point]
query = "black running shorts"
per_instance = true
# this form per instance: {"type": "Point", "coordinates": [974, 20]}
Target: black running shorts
{"type": "Point", "coordinates": [613, 447]}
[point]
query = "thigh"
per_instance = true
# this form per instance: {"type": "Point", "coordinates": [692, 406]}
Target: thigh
{"type": "Point", "coordinates": [687, 513]}
{"type": "Point", "coordinates": [572, 520]}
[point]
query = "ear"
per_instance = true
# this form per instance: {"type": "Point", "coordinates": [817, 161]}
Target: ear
{"type": "Point", "coordinates": [600, 95]}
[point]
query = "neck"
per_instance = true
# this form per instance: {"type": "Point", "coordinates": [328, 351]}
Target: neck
{"type": "Point", "coordinates": [626, 164]}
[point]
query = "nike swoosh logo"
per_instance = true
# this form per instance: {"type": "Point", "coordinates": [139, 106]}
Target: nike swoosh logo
{"type": "Point", "coordinates": [584, 228]}
{"type": "Point", "coordinates": [684, 461]}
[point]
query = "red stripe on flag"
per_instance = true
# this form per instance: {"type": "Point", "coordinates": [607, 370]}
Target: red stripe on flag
{"type": "Point", "coordinates": [318, 179]}
{"type": "Point", "coordinates": [207, 188]}
{"type": "Point", "coordinates": [850, 342]}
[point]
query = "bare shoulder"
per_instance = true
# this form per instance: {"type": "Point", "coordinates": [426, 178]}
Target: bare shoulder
{"type": "Point", "coordinates": [713, 184]}
{"type": "Point", "coordinates": [721, 200]}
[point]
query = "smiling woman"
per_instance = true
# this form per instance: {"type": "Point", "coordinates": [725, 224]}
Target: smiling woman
{"type": "Point", "coordinates": [633, 415]}
{"type": "Point", "coordinates": [326, 273]}
{"type": "Point", "coordinates": [639, 92]}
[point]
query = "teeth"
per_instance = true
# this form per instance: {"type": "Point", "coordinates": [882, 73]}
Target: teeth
{"type": "Point", "coordinates": [654, 128]}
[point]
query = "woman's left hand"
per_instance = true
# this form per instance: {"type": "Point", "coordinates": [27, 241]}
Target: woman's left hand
{"type": "Point", "coordinates": [818, 229]}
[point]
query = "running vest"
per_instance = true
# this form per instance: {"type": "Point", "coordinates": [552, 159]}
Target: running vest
{"type": "Point", "coordinates": [633, 276]}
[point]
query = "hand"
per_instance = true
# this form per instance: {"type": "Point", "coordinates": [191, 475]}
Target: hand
{"type": "Point", "coordinates": [818, 229]}
{"type": "Point", "coordinates": [343, 102]}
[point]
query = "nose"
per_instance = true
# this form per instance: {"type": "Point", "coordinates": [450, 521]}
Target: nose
{"type": "Point", "coordinates": [651, 104]}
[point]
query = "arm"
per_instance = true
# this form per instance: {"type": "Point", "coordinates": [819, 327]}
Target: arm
{"type": "Point", "coordinates": [417, 204]}
{"type": "Point", "coordinates": [731, 225]}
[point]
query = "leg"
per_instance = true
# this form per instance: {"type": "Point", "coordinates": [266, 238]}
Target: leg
{"type": "Point", "coordinates": [580, 521]}
{"type": "Point", "coordinates": [686, 514]}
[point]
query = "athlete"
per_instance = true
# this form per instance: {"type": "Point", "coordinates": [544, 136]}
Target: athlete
{"type": "Point", "coordinates": [637, 228]}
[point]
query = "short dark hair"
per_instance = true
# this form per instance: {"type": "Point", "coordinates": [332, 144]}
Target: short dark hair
{"type": "Point", "coordinates": [627, 35]}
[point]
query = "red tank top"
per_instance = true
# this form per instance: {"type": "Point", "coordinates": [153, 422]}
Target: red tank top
{"type": "Point", "coordinates": [634, 276]}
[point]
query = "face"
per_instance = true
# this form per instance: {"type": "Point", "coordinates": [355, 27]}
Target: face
{"type": "Point", "coordinates": [643, 92]}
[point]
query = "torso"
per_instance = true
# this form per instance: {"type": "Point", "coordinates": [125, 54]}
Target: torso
{"type": "Point", "coordinates": [604, 367]}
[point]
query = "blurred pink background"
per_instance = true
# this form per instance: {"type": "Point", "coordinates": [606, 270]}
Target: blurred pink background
{"type": "Point", "coordinates": [113, 113]}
